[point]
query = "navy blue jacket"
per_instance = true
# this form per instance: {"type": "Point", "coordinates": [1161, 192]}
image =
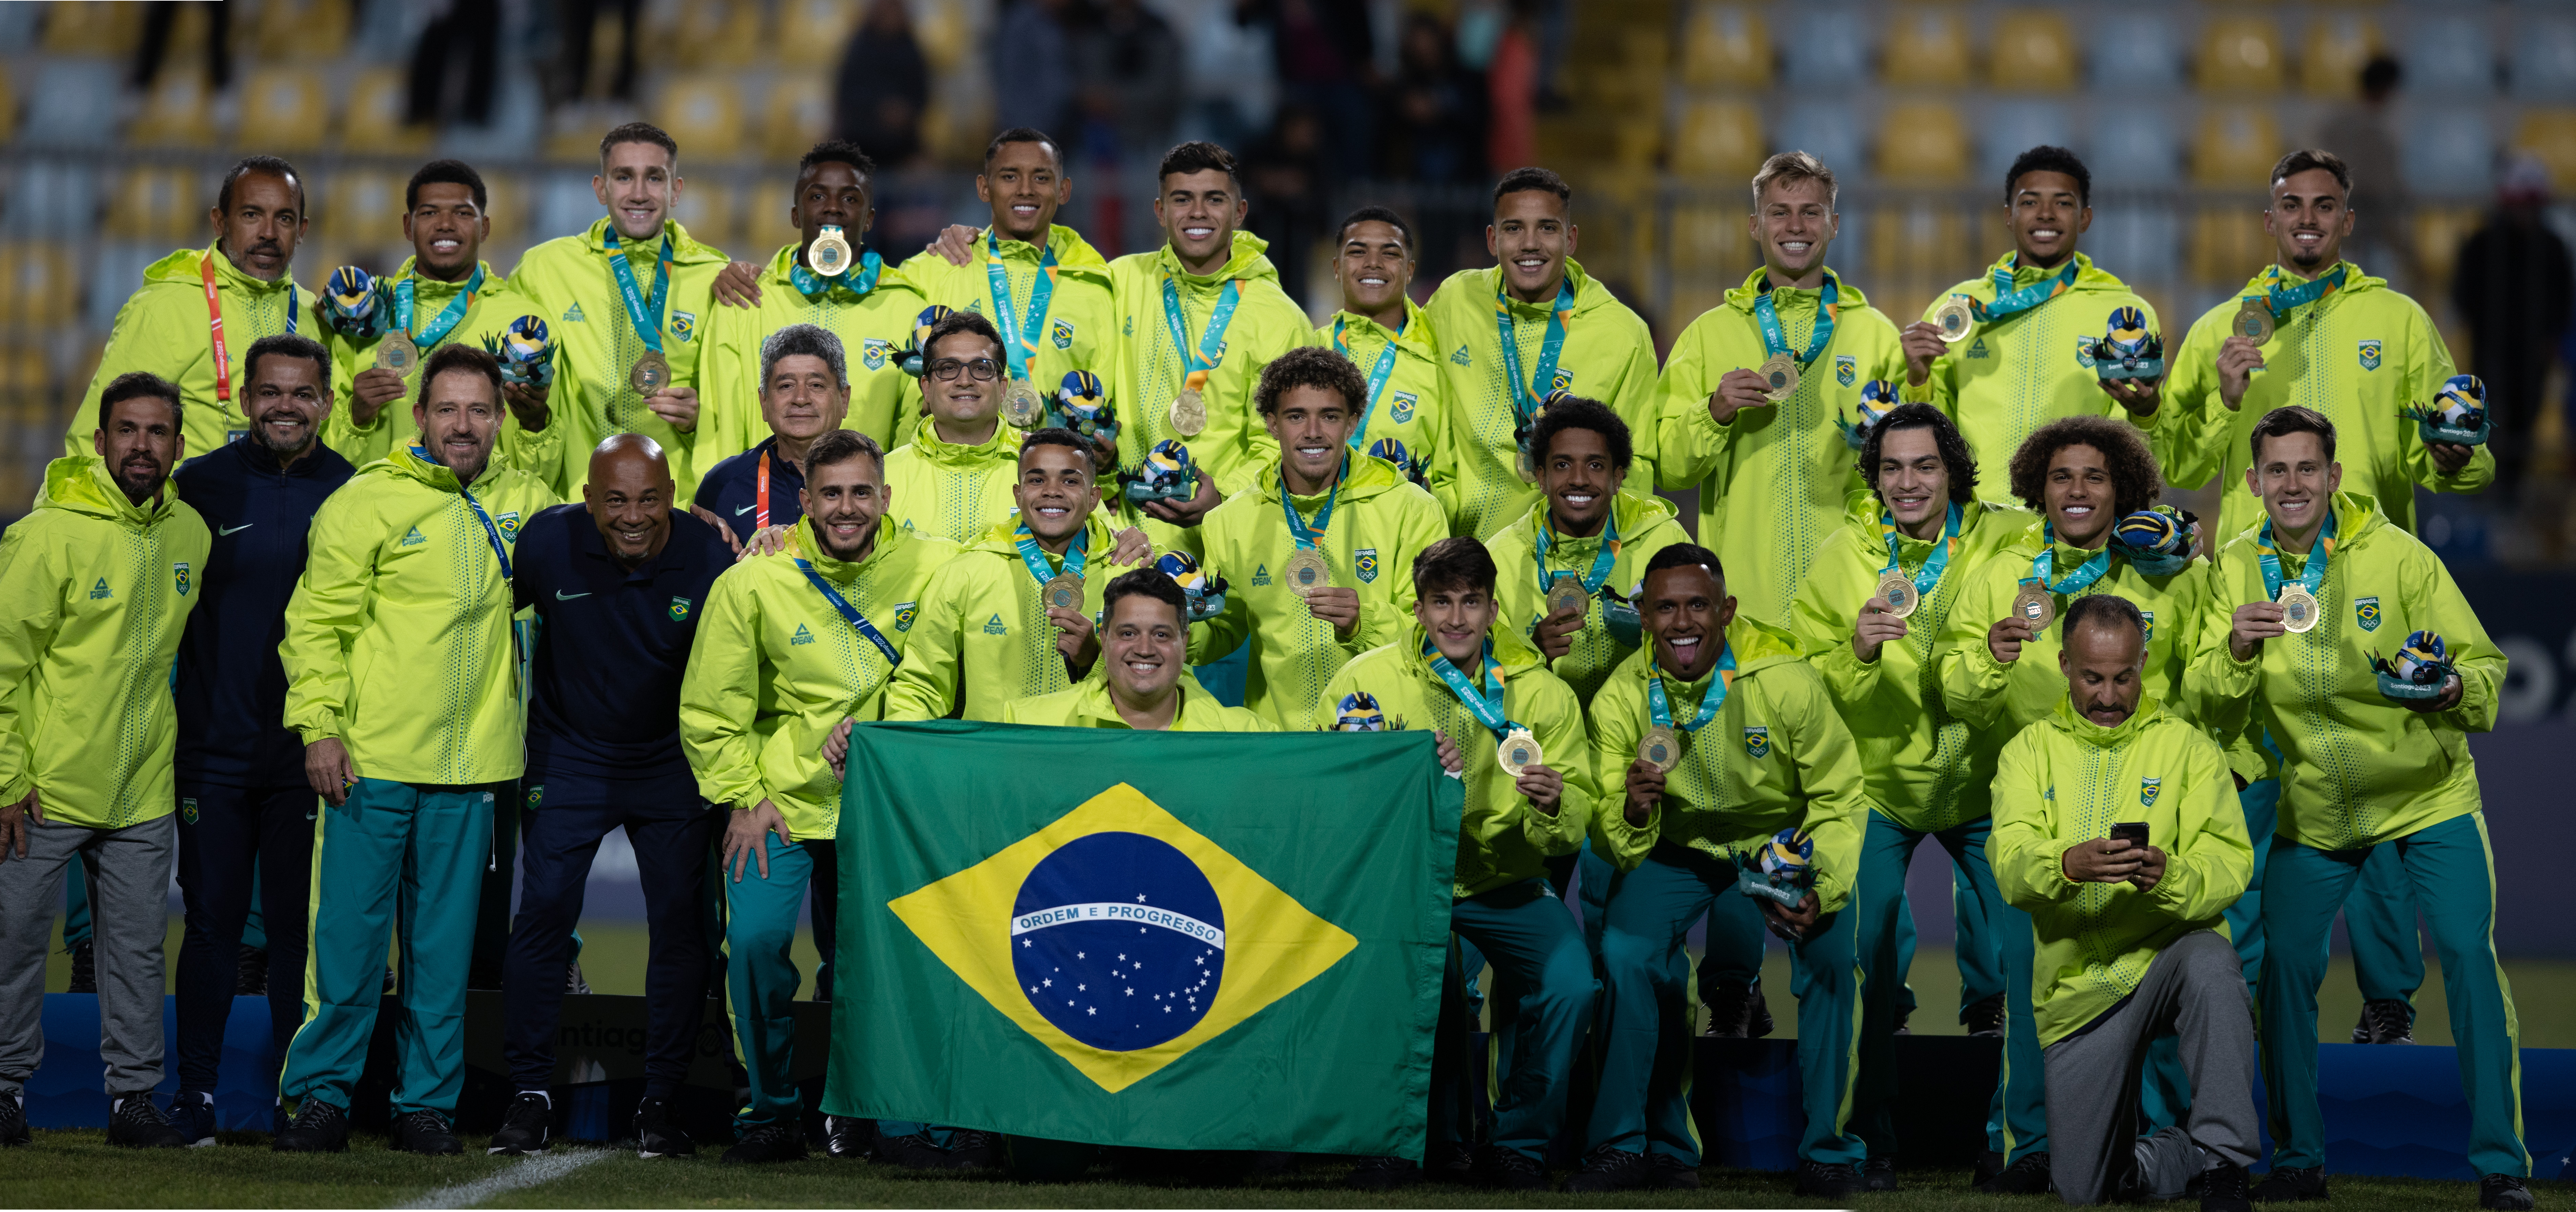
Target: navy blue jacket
{"type": "Point", "coordinates": [230, 689]}
{"type": "Point", "coordinates": [731, 489]}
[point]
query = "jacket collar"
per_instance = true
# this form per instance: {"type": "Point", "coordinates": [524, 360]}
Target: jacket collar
{"type": "Point", "coordinates": [2066, 720]}
{"type": "Point", "coordinates": [806, 546]}
{"type": "Point", "coordinates": [82, 484]}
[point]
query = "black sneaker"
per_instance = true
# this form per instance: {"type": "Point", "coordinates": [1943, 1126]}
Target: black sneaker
{"type": "Point", "coordinates": [1382, 1174]}
{"type": "Point", "coordinates": [426, 1133]}
{"type": "Point", "coordinates": [194, 1116]}
{"type": "Point", "coordinates": [2226, 1187]}
{"type": "Point", "coordinates": [137, 1124]}
{"type": "Point", "coordinates": [527, 1126]}
{"type": "Point", "coordinates": [913, 1151]}
{"type": "Point", "coordinates": [969, 1149]}
{"type": "Point", "coordinates": [848, 1138]}
{"type": "Point", "coordinates": [13, 1121]}
{"type": "Point", "coordinates": [250, 972]}
{"type": "Point", "coordinates": [656, 1135]}
{"type": "Point", "coordinates": [1990, 1163]}
{"type": "Point", "coordinates": [2506, 1191]}
{"type": "Point", "coordinates": [1738, 1011]}
{"type": "Point", "coordinates": [2028, 1176]}
{"type": "Point", "coordinates": [1509, 1169]}
{"type": "Point", "coordinates": [318, 1127]}
{"type": "Point", "coordinates": [768, 1143]}
{"type": "Point", "coordinates": [1985, 1019]}
{"type": "Point", "coordinates": [1878, 1174]}
{"type": "Point", "coordinates": [84, 969]}
{"type": "Point", "coordinates": [2385, 1021]}
{"type": "Point", "coordinates": [1451, 1163]}
{"type": "Point", "coordinates": [2297, 1184]}
{"type": "Point", "coordinates": [1665, 1172]}
{"type": "Point", "coordinates": [1829, 1180]}
{"type": "Point", "coordinates": [1609, 1168]}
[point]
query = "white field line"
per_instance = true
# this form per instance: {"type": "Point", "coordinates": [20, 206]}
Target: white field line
{"type": "Point", "coordinates": [528, 1173]}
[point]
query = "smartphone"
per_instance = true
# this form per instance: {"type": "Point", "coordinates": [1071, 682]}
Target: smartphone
{"type": "Point", "coordinates": [2134, 832]}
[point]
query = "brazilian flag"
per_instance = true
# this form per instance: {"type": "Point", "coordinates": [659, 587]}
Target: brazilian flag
{"type": "Point", "coordinates": [1167, 940]}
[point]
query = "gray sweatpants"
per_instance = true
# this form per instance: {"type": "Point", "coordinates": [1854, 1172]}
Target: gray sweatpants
{"type": "Point", "coordinates": [2195, 989]}
{"type": "Point", "coordinates": [130, 915]}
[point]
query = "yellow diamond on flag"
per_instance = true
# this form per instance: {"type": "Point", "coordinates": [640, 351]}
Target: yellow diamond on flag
{"type": "Point", "coordinates": [1121, 938]}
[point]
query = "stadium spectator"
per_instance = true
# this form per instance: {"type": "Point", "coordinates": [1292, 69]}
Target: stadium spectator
{"type": "Point", "coordinates": [161, 18]}
{"type": "Point", "coordinates": [1435, 112]}
{"type": "Point", "coordinates": [1291, 174]}
{"type": "Point", "coordinates": [578, 20]}
{"type": "Point", "coordinates": [2359, 132]}
{"type": "Point", "coordinates": [470, 29]}
{"type": "Point", "coordinates": [883, 87]}
{"type": "Point", "coordinates": [1326, 57]}
{"type": "Point", "coordinates": [1033, 79]}
{"type": "Point", "coordinates": [2513, 285]}
{"type": "Point", "coordinates": [1128, 63]}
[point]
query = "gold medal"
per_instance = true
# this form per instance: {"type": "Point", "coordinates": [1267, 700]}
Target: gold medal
{"type": "Point", "coordinates": [1955, 318]}
{"type": "Point", "coordinates": [1518, 752]}
{"type": "Point", "coordinates": [1306, 572]}
{"type": "Point", "coordinates": [1063, 592]}
{"type": "Point", "coordinates": [1189, 413]}
{"type": "Point", "coordinates": [652, 373]}
{"type": "Point", "coordinates": [397, 353]}
{"type": "Point", "coordinates": [1779, 377]}
{"type": "Point", "coordinates": [2253, 321]}
{"type": "Point", "coordinates": [2034, 604]}
{"type": "Point", "coordinates": [1566, 593]}
{"type": "Point", "coordinates": [2299, 611]}
{"type": "Point", "coordinates": [1021, 405]}
{"type": "Point", "coordinates": [829, 254]}
{"type": "Point", "coordinates": [1900, 594]}
{"type": "Point", "coordinates": [1660, 748]}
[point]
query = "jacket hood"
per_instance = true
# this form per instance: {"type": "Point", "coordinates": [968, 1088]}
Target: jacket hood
{"type": "Point", "coordinates": [1636, 518]}
{"type": "Point", "coordinates": [927, 443]}
{"type": "Point", "coordinates": [1248, 262]}
{"type": "Point", "coordinates": [492, 280]}
{"type": "Point", "coordinates": [1589, 293]}
{"type": "Point", "coordinates": [184, 266]}
{"type": "Point", "coordinates": [2088, 276]}
{"type": "Point", "coordinates": [2356, 518]}
{"type": "Point", "coordinates": [1862, 509]}
{"type": "Point", "coordinates": [81, 484]}
{"type": "Point", "coordinates": [1003, 537]}
{"type": "Point", "coordinates": [1416, 339]}
{"type": "Point", "coordinates": [684, 249]}
{"type": "Point", "coordinates": [803, 544]}
{"type": "Point", "coordinates": [1741, 298]}
{"type": "Point", "coordinates": [1073, 254]}
{"type": "Point", "coordinates": [2354, 280]}
{"type": "Point", "coordinates": [406, 462]}
{"type": "Point", "coordinates": [1368, 477]}
{"type": "Point", "coordinates": [1757, 646]}
{"type": "Point", "coordinates": [2149, 714]}
{"type": "Point", "coordinates": [1510, 651]}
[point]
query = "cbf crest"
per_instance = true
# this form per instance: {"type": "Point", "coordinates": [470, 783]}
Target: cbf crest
{"type": "Point", "coordinates": [1757, 741]}
{"type": "Point", "coordinates": [2370, 355]}
{"type": "Point", "coordinates": [2149, 789]}
{"type": "Point", "coordinates": [2365, 611]}
{"type": "Point", "coordinates": [1364, 561]}
{"type": "Point", "coordinates": [1846, 369]}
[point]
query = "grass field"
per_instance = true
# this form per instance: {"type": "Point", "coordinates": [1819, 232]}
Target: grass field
{"type": "Point", "coordinates": [77, 1169]}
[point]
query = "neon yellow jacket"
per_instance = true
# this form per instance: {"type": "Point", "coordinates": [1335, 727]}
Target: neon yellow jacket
{"type": "Point", "coordinates": [1775, 756]}
{"type": "Point", "coordinates": [941, 490]}
{"type": "Point", "coordinates": [94, 594]}
{"type": "Point", "coordinates": [2066, 780]}
{"type": "Point", "coordinates": [872, 327]}
{"type": "Point", "coordinates": [1413, 406]}
{"type": "Point", "coordinates": [2361, 356]}
{"type": "Point", "coordinates": [1080, 331]}
{"type": "Point", "coordinates": [1645, 525]}
{"type": "Point", "coordinates": [1380, 522]}
{"type": "Point", "coordinates": [1266, 324]}
{"type": "Point", "coordinates": [2360, 769]}
{"type": "Point", "coordinates": [1772, 480]}
{"type": "Point", "coordinates": [775, 668]}
{"type": "Point", "coordinates": [983, 638]}
{"type": "Point", "coordinates": [596, 347]}
{"type": "Point", "coordinates": [162, 328]}
{"type": "Point", "coordinates": [1925, 767]}
{"type": "Point", "coordinates": [1088, 706]}
{"type": "Point", "coordinates": [1502, 838]}
{"type": "Point", "coordinates": [1609, 356]}
{"type": "Point", "coordinates": [2016, 374]}
{"type": "Point", "coordinates": [494, 309]}
{"type": "Point", "coordinates": [398, 638]}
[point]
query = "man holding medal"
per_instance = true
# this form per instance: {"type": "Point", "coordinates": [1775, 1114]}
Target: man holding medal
{"type": "Point", "coordinates": [1404, 418]}
{"type": "Point", "coordinates": [176, 325]}
{"type": "Point", "coordinates": [798, 644]}
{"type": "Point", "coordinates": [1311, 549]}
{"type": "Point", "coordinates": [1729, 753]}
{"type": "Point", "coordinates": [804, 393]}
{"type": "Point", "coordinates": [1880, 592]}
{"type": "Point", "coordinates": [624, 300]}
{"type": "Point", "coordinates": [402, 678]}
{"type": "Point", "coordinates": [2006, 370]}
{"type": "Point", "coordinates": [1530, 790]}
{"type": "Point", "coordinates": [953, 479]}
{"type": "Point", "coordinates": [1761, 445]}
{"type": "Point", "coordinates": [2375, 754]}
{"type": "Point", "coordinates": [1533, 325]}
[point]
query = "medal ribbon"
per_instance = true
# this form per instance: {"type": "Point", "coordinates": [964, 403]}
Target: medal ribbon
{"type": "Point", "coordinates": [1776, 340]}
{"type": "Point", "coordinates": [1486, 704]}
{"type": "Point", "coordinates": [1662, 707]}
{"type": "Point", "coordinates": [1307, 536]}
{"type": "Point", "coordinates": [1196, 363]}
{"type": "Point", "coordinates": [1378, 376]}
{"type": "Point", "coordinates": [1601, 560]}
{"type": "Point", "coordinates": [850, 612]}
{"type": "Point", "coordinates": [1019, 340]}
{"type": "Point", "coordinates": [2281, 300]}
{"type": "Point", "coordinates": [447, 320]}
{"type": "Point", "coordinates": [760, 499]}
{"type": "Point", "coordinates": [2010, 301]}
{"type": "Point", "coordinates": [1525, 394]}
{"type": "Point", "coordinates": [2313, 576]}
{"type": "Point", "coordinates": [1036, 558]}
{"type": "Point", "coordinates": [814, 286]}
{"type": "Point", "coordinates": [638, 308]}
{"type": "Point", "coordinates": [215, 327]}
{"type": "Point", "coordinates": [1933, 565]}
{"type": "Point", "coordinates": [2073, 582]}
{"type": "Point", "coordinates": [490, 531]}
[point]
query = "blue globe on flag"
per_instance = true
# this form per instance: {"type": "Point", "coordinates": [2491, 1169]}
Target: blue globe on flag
{"type": "Point", "coordinates": [1118, 940]}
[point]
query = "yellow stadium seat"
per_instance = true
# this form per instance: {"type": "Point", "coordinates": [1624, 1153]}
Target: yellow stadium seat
{"type": "Point", "coordinates": [705, 207]}
{"type": "Point", "coordinates": [813, 33]}
{"type": "Point", "coordinates": [2236, 146]}
{"type": "Point", "coordinates": [762, 217]}
{"type": "Point", "coordinates": [1710, 240]}
{"type": "Point", "coordinates": [704, 114]}
{"type": "Point", "coordinates": [307, 31]}
{"type": "Point", "coordinates": [2438, 233]}
{"type": "Point", "coordinates": [1720, 139]}
{"type": "Point", "coordinates": [155, 202]}
{"type": "Point", "coordinates": [1724, 45]}
{"type": "Point", "coordinates": [8, 106]}
{"type": "Point", "coordinates": [177, 112]}
{"type": "Point", "coordinates": [1926, 47]}
{"type": "Point", "coordinates": [373, 119]}
{"type": "Point", "coordinates": [2241, 54]}
{"type": "Point", "coordinates": [2339, 45]}
{"type": "Point", "coordinates": [947, 34]}
{"type": "Point", "coordinates": [282, 110]}
{"type": "Point", "coordinates": [711, 33]}
{"type": "Point", "coordinates": [363, 208]}
{"type": "Point", "coordinates": [1922, 143]}
{"type": "Point", "coordinates": [1917, 240]}
{"type": "Point", "coordinates": [795, 115]}
{"type": "Point", "coordinates": [37, 285]}
{"type": "Point", "coordinates": [507, 208]}
{"type": "Point", "coordinates": [75, 28]}
{"type": "Point", "coordinates": [2034, 50]}
{"type": "Point", "coordinates": [2550, 135]}
{"type": "Point", "coordinates": [2228, 244]}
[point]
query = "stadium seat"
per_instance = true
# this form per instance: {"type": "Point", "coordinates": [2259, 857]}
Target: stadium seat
{"type": "Point", "coordinates": [373, 119]}
{"type": "Point", "coordinates": [72, 103]}
{"type": "Point", "coordinates": [2033, 51]}
{"type": "Point", "coordinates": [2544, 57]}
{"type": "Point", "coordinates": [1727, 46]}
{"type": "Point", "coordinates": [1926, 48]}
{"type": "Point", "coordinates": [282, 110]}
{"type": "Point", "coordinates": [303, 31]}
{"type": "Point", "coordinates": [158, 203]}
{"type": "Point", "coordinates": [2445, 151]}
{"type": "Point", "coordinates": [1922, 143]}
{"type": "Point", "coordinates": [53, 197]}
{"type": "Point", "coordinates": [813, 33]}
{"type": "Point", "coordinates": [2437, 233]}
{"type": "Point", "coordinates": [1710, 239]}
{"type": "Point", "coordinates": [1925, 243]}
{"type": "Point", "coordinates": [2449, 53]}
{"type": "Point", "coordinates": [8, 105]}
{"type": "Point", "coordinates": [2132, 145]}
{"type": "Point", "coordinates": [761, 216]}
{"type": "Point", "coordinates": [704, 113]}
{"type": "Point", "coordinates": [2338, 45]}
{"type": "Point", "coordinates": [2228, 244]}
{"type": "Point", "coordinates": [363, 208]}
{"type": "Point", "coordinates": [2134, 237]}
{"type": "Point", "coordinates": [705, 207]}
{"type": "Point", "coordinates": [1829, 48]}
{"type": "Point", "coordinates": [1721, 139]}
{"type": "Point", "coordinates": [2009, 128]}
{"type": "Point", "coordinates": [2241, 55]}
{"type": "Point", "coordinates": [2550, 135]}
{"type": "Point", "coordinates": [713, 33]}
{"type": "Point", "coordinates": [92, 29]}
{"type": "Point", "coordinates": [1825, 129]}
{"type": "Point", "coordinates": [794, 115]}
{"type": "Point", "coordinates": [2134, 51]}
{"type": "Point", "coordinates": [178, 112]}
{"type": "Point", "coordinates": [2236, 146]}
{"type": "Point", "coordinates": [37, 285]}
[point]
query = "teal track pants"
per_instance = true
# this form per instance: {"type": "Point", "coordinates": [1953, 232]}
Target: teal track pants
{"type": "Point", "coordinates": [2452, 872]}
{"type": "Point", "coordinates": [1544, 994]}
{"type": "Point", "coordinates": [2387, 953]}
{"type": "Point", "coordinates": [404, 857]}
{"type": "Point", "coordinates": [1644, 1101]}
{"type": "Point", "coordinates": [761, 977]}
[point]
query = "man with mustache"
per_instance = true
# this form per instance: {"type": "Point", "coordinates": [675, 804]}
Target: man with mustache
{"type": "Point", "coordinates": [95, 586]}
{"type": "Point", "coordinates": [200, 308]}
{"type": "Point", "coordinates": [244, 804]}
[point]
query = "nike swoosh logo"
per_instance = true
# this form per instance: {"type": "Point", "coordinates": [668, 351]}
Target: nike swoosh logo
{"type": "Point", "coordinates": [231, 529]}
{"type": "Point", "coordinates": [561, 596]}
{"type": "Point", "coordinates": [744, 510]}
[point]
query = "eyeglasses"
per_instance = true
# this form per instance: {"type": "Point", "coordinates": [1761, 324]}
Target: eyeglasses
{"type": "Point", "coordinates": [946, 370]}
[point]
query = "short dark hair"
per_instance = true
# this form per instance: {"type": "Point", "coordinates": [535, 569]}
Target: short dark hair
{"type": "Point", "coordinates": [1053, 436]}
{"type": "Point", "coordinates": [2289, 419]}
{"type": "Point", "coordinates": [287, 345]}
{"type": "Point", "coordinates": [2135, 482]}
{"type": "Point", "coordinates": [460, 355]}
{"type": "Point", "coordinates": [956, 322]}
{"type": "Point", "coordinates": [2309, 157]}
{"type": "Point", "coordinates": [273, 166]}
{"type": "Point", "coordinates": [839, 151]}
{"type": "Point", "coordinates": [639, 132]}
{"type": "Point", "coordinates": [803, 340]}
{"type": "Point", "coordinates": [2103, 610]}
{"type": "Point", "coordinates": [135, 385]}
{"type": "Point", "coordinates": [1684, 555]}
{"type": "Point", "coordinates": [1458, 562]}
{"type": "Point", "coordinates": [1578, 412]}
{"type": "Point", "coordinates": [1198, 156]}
{"type": "Point", "coordinates": [1149, 582]}
{"type": "Point", "coordinates": [1379, 214]}
{"type": "Point", "coordinates": [1523, 180]}
{"type": "Point", "coordinates": [1024, 134]}
{"type": "Point", "coordinates": [446, 172]}
{"type": "Point", "coordinates": [1309, 366]}
{"type": "Point", "coordinates": [2049, 158]}
{"type": "Point", "coordinates": [841, 446]}
{"type": "Point", "coordinates": [1955, 455]}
